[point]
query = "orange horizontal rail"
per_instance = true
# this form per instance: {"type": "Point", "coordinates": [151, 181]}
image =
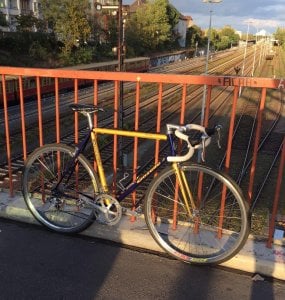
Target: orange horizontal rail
{"type": "Point", "coordinates": [182, 80]}
{"type": "Point", "coordinates": [146, 77]}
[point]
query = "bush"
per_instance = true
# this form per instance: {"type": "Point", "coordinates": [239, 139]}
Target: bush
{"type": "Point", "coordinates": [81, 55]}
{"type": "Point", "coordinates": [38, 51]}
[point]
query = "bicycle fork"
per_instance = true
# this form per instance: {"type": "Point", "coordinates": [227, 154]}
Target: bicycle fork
{"type": "Point", "coordinates": [187, 195]}
{"type": "Point", "coordinates": [185, 190]}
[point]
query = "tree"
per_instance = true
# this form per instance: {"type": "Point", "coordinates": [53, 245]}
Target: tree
{"type": "Point", "coordinates": [228, 33]}
{"type": "Point", "coordinates": [280, 35]}
{"type": "Point", "coordinates": [149, 27]}
{"type": "Point", "coordinates": [69, 20]}
{"type": "Point", "coordinates": [3, 21]}
{"type": "Point", "coordinates": [194, 36]}
{"type": "Point", "coordinates": [223, 43]}
{"type": "Point", "coordinates": [173, 18]}
{"type": "Point", "coordinates": [29, 23]}
{"type": "Point", "coordinates": [214, 37]}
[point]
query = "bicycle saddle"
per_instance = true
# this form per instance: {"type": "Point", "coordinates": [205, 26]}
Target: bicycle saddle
{"type": "Point", "coordinates": [87, 108]}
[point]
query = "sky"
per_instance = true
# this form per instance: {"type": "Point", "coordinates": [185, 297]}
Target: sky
{"type": "Point", "coordinates": [259, 14]}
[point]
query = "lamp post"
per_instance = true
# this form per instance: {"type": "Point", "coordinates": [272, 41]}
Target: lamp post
{"type": "Point", "coordinates": [121, 41]}
{"type": "Point", "coordinates": [254, 56]}
{"type": "Point", "coordinates": [120, 61]}
{"type": "Point", "coordinates": [245, 49]}
{"type": "Point", "coordinates": [244, 54]}
{"type": "Point", "coordinates": [207, 59]}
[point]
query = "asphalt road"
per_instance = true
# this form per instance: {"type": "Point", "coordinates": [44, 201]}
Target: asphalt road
{"type": "Point", "coordinates": [38, 264]}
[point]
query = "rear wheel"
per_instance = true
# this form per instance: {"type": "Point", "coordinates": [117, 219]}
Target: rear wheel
{"type": "Point", "coordinates": [61, 202]}
{"type": "Point", "coordinates": [211, 233]}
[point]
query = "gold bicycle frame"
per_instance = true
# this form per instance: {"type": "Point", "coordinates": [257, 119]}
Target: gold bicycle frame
{"type": "Point", "coordinates": [185, 190]}
{"type": "Point", "coordinates": [95, 131]}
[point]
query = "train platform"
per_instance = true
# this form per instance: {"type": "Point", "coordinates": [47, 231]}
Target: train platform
{"type": "Point", "coordinates": [254, 258]}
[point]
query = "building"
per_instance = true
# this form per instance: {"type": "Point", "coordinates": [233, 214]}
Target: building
{"type": "Point", "coordinates": [13, 8]}
{"type": "Point", "coordinates": [181, 28]}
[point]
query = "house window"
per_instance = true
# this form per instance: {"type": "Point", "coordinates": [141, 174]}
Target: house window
{"type": "Point", "coordinates": [36, 6]}
{"type": "Point", "coordinates": [13, 4]}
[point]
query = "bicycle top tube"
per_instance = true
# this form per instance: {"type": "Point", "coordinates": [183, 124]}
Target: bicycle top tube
{"type": "Point", "coordinates": [180, 131]}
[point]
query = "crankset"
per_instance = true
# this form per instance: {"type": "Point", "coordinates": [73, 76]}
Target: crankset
{"type": "Point", "coordinates": [107, 209]}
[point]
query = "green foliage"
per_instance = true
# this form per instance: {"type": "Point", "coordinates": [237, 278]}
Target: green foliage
{"type": "Point", "coordinates": [29, 23]}
{"type": "Point", "coordinates": [68, 19]}
{"type": "Point", "coordinates": [3, 21]}
{"type": "Point", "coordinates": [81, 55]}
{"type": "Point", "coordinates": [30, 48]}
{"type": "Point", "coordinates": [173, 15]}
{"type": "Point", "coordinates": [223, 43]}
{"type": "Point", "coordinates": [280, 35]}
{"type": "Point", "coordinates": [149, 27]}
{"type": "Point", "coordinates": [194, 35]}
{"type": "Point", "coordinates": [38, 51]}
{"type": "Point", "coordinates": [229, 32]}
{"type": "Point", "coordinates": [224, 38]}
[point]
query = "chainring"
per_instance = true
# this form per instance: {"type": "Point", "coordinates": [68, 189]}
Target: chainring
{"type": "Point", "coordinates": [107, 209]}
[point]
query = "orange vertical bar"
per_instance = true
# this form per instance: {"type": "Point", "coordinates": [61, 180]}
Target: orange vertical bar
{"type": "Point", "coordinates": [76, 126]}
{"type": "Point", "coordinates": [95, 100]}
{"type": "Point", "coordinates": [40, 122]}
{"type": "Point", "coordinates": [40, 111]}
{"type": "Point", "coordinates": [95, 118]}
{"type": "Point", "coordinates": [183, 105]}
{"type": "Point", "coordinates": [23, 125]}
{"type": "Point", "coordinates": [7, 133]}
{"type": "Point", "coordinates": [207, 106]}
{"type": "Point", "coordinates": [158, 122]}
{"type": "Point", "coordinates": [276, 196]}
{"type": "Point", "coordinates": [231, 129]}
{"type": "Point", "coordinates": [256, 142]}
{"type": "Point", "coordinates": [76, 137]}
{"type": "Point", "coordinates": [116, 124]}
{"type": "Point", "coordinates": [57, 114]}
{"type": "Point", "coordinates": [57, 122]}
{"type": "Point", "coordinates": [182, 120]}
{"type": "Point", "coordinates": [136, 141]}
{"type": "Point", "coordinates": [228, 158]}
{"type": "Point", "coordinates": [206, 123]}
{"type": "Point", "coordinates": [158, 127]}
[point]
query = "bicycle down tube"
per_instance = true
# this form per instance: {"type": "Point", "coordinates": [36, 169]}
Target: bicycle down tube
{"type": "Point", "coordinates": [102, 177]}
{"type": "Point", "coordinates": [156, 136]}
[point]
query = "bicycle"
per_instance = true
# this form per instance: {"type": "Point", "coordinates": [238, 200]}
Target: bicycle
{"type": "Point", "coordinates": [195, 213]}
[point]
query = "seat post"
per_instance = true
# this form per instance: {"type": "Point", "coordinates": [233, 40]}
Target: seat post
{"type": "Point", "coordinates": [90, 123]}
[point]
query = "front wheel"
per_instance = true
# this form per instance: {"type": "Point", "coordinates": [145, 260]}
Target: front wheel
{"type": "Point", "coordinates": [59, 191]}
{"type": "Point", "coordinates": [212, 231]}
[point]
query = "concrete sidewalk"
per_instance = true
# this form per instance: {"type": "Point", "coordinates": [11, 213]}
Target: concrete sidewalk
{"type": "Point", "coordinates": [255, 257]}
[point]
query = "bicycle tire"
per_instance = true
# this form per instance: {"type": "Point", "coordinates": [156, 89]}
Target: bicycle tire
{"type": "Point", "coordinates": [66, 210]}
{"type": "Point", "coordinates": [194, 239]}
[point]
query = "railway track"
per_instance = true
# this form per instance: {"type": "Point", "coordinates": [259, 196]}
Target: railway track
{"type": "Point", "coordinates": [219, 107]}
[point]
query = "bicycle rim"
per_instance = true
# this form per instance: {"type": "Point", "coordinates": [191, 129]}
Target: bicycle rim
{"type": "Point", "coordinates": [67, 208]}
{"type": "Point", "coordinates": [214, 231]}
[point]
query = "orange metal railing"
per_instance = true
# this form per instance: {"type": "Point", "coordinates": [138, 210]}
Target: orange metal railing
{"type": "Point", "coordinates": [95, 77]}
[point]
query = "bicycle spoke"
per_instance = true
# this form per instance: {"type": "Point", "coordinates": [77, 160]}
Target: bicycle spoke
{"type": "Point", "coordinates": [195, 237]}
{"type": "Point", "coordinates": [58, 194]}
